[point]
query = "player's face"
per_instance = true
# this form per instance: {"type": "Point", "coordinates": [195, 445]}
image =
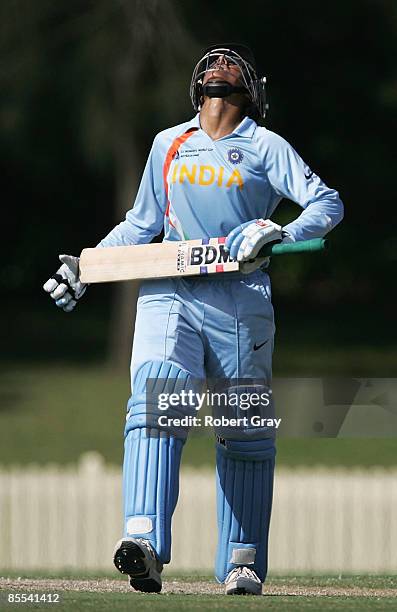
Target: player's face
{"type": "Point", "coordinates": [223, 70]}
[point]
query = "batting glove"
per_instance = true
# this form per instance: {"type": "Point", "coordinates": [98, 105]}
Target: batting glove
{"type": "Point", "coordinates": [65, 287]}
{"type": "Point", "coordinates": [246, 240]}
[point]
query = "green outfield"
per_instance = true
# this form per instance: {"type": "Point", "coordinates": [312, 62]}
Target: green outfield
{"type": "Point", "coordinates": [330, 593]}
{"type": "Point", "coordinates": [56, 413]}
{"type": "Point", "coordinates": [58, 399]}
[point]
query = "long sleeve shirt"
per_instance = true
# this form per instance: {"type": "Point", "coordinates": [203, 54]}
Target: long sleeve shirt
{"type": "Point", "coordinates": [195, 187]}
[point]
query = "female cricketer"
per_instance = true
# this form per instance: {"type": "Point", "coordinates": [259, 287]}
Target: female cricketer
{"type": "Point", "coordinates": [220, 174]}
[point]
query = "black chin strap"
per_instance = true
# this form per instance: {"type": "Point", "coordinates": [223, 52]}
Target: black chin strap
{"type": "Point", "coordinates": [221, 89]}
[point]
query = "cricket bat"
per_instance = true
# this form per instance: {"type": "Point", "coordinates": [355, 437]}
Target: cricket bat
{"type": "Point", "coordinates": [167, 259]}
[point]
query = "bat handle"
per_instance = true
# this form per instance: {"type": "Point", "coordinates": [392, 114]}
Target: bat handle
{"type": "Point", "coordinates": [302, 246]}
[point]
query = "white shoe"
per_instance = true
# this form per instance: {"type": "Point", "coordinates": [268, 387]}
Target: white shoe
{"type": "Point", "coordinates": [242, 581]}
{"type": "Point", "coordinates": [137, 558]}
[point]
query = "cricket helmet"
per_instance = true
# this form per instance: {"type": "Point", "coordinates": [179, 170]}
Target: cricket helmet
{"type": "Point", "coordinates": [252, 85]}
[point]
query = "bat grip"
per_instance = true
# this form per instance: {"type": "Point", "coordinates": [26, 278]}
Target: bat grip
{"type": "Point", "coordinates": [303, 246]}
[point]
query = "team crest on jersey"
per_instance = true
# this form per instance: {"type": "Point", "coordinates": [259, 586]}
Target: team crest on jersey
{"type": "Point", "coordinates": [235, 156]}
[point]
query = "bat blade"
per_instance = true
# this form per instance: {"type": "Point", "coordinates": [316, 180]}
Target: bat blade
{"type": "Point", "coordinates": [160, 260]}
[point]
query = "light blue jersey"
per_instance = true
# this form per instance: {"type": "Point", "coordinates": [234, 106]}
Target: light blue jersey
{"type": "Point", "coordinates": [195, 187]}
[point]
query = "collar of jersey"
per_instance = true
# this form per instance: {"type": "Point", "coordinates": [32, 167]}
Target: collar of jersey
{"type": "Point", "coordinates": [245, 129]}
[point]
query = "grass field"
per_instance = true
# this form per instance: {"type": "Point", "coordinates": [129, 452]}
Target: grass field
{"type": "Point", "coordinates": [56, 413]}
{"type": "Point", "coordinates": [58, 399]}
{"type": "Point", "coordinates": [329, 593]}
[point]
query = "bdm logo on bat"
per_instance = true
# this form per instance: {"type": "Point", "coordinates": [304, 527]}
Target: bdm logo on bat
{"type": "Point", "coordinates": [208, 254]}
{"type": "Point", "coordinates": [201, 255]}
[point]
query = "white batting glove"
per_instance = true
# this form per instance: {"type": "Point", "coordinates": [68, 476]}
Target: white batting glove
{"type": "Point", "coordinates": [245, 241]}
{"type": "Point", "coordinates": [65, 287]}
{"type": "Point", "coordinates": [246, 267]}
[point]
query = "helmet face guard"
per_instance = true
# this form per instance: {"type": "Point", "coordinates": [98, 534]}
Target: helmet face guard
{"type": "Point", "coordinates": [253, 86]}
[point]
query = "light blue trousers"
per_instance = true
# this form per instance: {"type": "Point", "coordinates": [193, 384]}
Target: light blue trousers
{"type": "Point", "coordinates": [220, 327]}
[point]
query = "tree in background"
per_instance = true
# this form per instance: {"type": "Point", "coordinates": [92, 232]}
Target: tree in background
{"type": "Point", "coordinates": [85, 85]}
{"type": "Point", "coordinates": [116, 69]}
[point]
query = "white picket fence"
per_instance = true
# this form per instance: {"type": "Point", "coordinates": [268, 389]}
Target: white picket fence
{"type": "Point", "coordinates": [323, 520]}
